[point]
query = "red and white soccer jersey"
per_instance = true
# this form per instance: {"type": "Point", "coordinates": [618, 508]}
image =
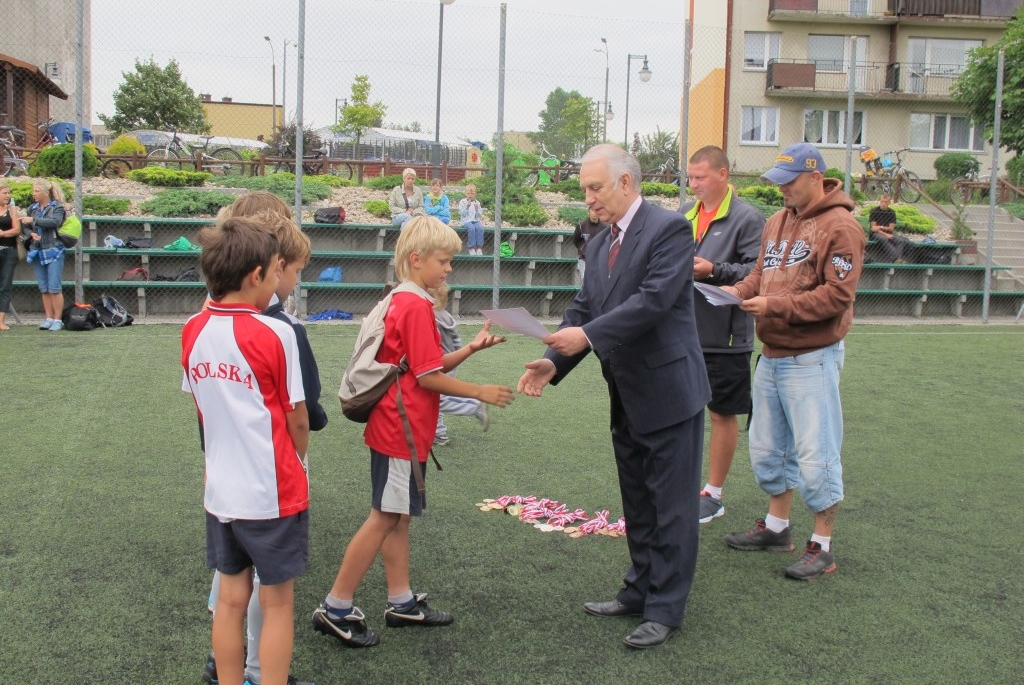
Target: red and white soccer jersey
{"type": "Point", "coordinates": [243, 370]}
{"type": "Point", "coordinates": [410, 331]}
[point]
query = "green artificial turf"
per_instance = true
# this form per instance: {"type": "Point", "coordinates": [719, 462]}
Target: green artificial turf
{"type": "Point", "coordinates": [102, 565]}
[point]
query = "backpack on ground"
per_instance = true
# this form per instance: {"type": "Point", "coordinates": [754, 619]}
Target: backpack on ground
{"type": "Point", "coordinates": [80, 317]}
{"type": "Point", "coordinates": [329, 215]}
{"type": "Point", "coordinates": [367, 380]}
{"type": "Point", "coordinates": [111, 313]}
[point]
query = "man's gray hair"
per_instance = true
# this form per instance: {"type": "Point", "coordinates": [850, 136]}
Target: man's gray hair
{"type": "Point", "coordinates": [618, 160]}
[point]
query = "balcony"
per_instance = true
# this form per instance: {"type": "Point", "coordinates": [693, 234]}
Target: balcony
{"type": "Point", "coordinates": [875, 80]}
{"type": "Point", "coordinates": [920, 12]}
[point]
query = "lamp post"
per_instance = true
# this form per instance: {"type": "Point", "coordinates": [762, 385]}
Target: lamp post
{"type": "Point", "coordinates": [435, 156]}
{"type": "Point", "coordinates": [645, 76]}
{"type": "Point", "coordinates": [606, 109]}
{"type": "Point", "coordinates": [607, 118]}
{"type": "Point", "coordinates": [284, 79]}
{"type": "Point", "coordinates": [273, 85]}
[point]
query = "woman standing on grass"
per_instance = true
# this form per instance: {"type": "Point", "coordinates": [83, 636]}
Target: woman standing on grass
{"type": "Point", "coordinates": [45, 217]}
{"type": "Point", "coordinates": [10, 229]}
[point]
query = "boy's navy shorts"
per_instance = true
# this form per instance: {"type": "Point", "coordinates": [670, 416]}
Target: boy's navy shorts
{"type": "Point", "coordinates": [729, 375]}
{"type": "Point", "coordinates": [394, 486]}
{"type": "Point", "coordinates": [277, 548]}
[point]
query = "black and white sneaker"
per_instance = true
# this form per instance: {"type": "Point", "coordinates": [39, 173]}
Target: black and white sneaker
{"type": "Point", "coordinates": [351, 630]}
{"type": "Point", "coordinates": [210, 670]}
{"type": "Point", "coordinates": [710, 507]}
{"type": "Point", "coordinates": [419, 615]}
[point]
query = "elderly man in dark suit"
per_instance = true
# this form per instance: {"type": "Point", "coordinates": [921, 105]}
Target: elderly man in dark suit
{"type": "Point", "coordinates": [635, 312]}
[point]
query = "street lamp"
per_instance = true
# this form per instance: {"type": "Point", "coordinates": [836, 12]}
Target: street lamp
{"type": "Point", "coordinates": [435, 157]}
{"type": "Point", "coordinates": [604, 110]}
{"type": "Point", "coordinates": [284, 80]}
{"type": "Point", "coordinates": [645, 76]}
{"type": "Point", "coordinates": [604, 133]}
{"type": "Point", "coordinates": [273, 85]}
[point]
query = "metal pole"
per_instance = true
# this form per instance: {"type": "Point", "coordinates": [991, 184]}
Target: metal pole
{"type": "Point", "coordinates": [849, 114]}
{"type": "Point", "coordinates": [500, 162]}
{"type": "Point", "coordinates": [684, 127]}
{"type": "Point", "coordinates": [435, 157]}
{"type": "Point", "coordinates": [284, 82]}
{"type": "Point", "coordinates": [300, 81]}
{"type": "Point", "coordinates": [993, 186]}
{"type": "Point", "coordinates": [604, 114]}
{"type": "Point", "coordinates": [629, 62]}
{"type": "Point", "coordinates": [273, 85]}
{"type": "Point", "coordinates": [79, 134]}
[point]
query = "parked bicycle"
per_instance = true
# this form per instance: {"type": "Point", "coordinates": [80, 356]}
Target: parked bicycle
{"type": "Point", "coordinates": [555, 170]}
{"type": "Point", "coordinates": [887, 177]}
{"type": "Point", "coordinates": [666, 172]}
{"type": "Point", "coordinates": [170, 156]}
{"type": "Point", "coordinates": [969, 187]}
{"type": "Point", "coordinates": [15, 157]}
{"type": "Point", "coordinates": [319, 162]}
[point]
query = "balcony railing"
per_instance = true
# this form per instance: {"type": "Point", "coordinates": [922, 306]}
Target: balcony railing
{"type": "Point", "coordinates": [894, 10]}
{"type": "Point", "coordinates": [897, 79]}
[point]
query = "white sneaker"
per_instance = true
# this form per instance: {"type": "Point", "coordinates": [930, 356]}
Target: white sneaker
{"type": "Point", "coordinates": [45, 325]}
{"type": "Point", "coordinates": [484, 416]}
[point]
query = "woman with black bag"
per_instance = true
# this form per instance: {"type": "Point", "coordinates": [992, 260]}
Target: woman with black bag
{"type": "Point", "coordinates": [10, 230]}
{"type": "Point", "coordinates": [46, 252]}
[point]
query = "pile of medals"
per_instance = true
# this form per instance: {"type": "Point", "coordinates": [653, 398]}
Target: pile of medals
{"type": "Point", "coordinates": [548, 516]}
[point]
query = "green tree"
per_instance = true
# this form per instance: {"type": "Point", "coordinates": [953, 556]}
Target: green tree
{"type": "Point", "coordinates": [567, 124]}
{"type": "Point", "coordinates": [653, 149]}
{"type": "Point", "coordinates": [975, 89]}
{"type": "Point", "coordinates": [360, 115]}
{"type": "Point", "coordinates": [156, 97]}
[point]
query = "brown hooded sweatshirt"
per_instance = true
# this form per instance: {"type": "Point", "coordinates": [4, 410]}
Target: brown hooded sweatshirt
{"type": "Point", "coordinates": [808, 269]}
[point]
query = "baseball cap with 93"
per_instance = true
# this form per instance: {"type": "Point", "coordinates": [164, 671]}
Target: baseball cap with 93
{"type": "Point", "coordinates": [793, 161]}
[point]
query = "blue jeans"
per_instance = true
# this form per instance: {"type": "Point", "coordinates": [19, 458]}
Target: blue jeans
{"type": "Point", "coordinates": [474, 234]}
{"type": "Point", "coordinates": [796, 431]}
{"type": "Point", "coordinates": [49, 274]}
{"type": "Point", "coordinates": [400, 219]}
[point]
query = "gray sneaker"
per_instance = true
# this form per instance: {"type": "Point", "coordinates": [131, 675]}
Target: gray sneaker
{"type": "Point", "coordinates": [710, 507]}
{"type": "Point", "coordinates": [484, 416]}
{"type": "Point", "coordinates": [760, 538]}
{"type": "Point", "coordinates": [812, 563]}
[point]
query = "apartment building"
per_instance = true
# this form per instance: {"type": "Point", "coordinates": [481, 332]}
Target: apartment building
{"type": "Point", "coordinates": [786, 76]}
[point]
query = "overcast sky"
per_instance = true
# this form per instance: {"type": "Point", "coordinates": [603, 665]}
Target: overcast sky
{"type": "Point", "coordinates": [550, 43]}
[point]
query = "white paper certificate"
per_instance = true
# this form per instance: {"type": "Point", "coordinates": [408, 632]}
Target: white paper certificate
{"type": "Point", "coordinates": [716, 295]}
{"type": "Point", "coordinates": [517, 320]}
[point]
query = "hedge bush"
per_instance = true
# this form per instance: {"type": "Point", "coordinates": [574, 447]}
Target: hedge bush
{"type": "Point", "coordinates": [572, 215]}
{"type": "Point", "coordinates": [390, 181]}
{"type": "Point", "coordinates": [280, 184]}
{"type": "Point", "coordinates": [169, 178]}
{"type": "Point", "coordinates": [767, 194]}
{"type": "Point", "coordinates": [1015, 170]}
{"type": "Point", "coordinates": [331, 180]}
{"type": "Point", "coordinates": [21, 191]}
{"type": "Point", "coordinates": [378, 208]}
{"type": "Point", "coordinates": [181, 202]}
{"type": "Point", "coordinates": [568, 187]}
{"type": "Point", "coordinates": [662, 189]}
{"type": "Point", "coordinates": [909, 219]}
{"type": "Point", "coordinates": [59, 161]}
{"type": "Point", "coordinates": [523, 215]}
{"type": "Point", "coordinates": [98, 205]}
{"type": "Point", "coordinates": [953, 165]}
{"type": "Point", "coordinates": [126, 146]}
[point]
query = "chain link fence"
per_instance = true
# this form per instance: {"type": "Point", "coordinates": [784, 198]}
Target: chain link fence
{"type": "Point", "coordinates": [326, 104]}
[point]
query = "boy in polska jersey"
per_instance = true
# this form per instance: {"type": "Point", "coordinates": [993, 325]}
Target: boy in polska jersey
{"type": "Point", "coordinates": [243, 371]}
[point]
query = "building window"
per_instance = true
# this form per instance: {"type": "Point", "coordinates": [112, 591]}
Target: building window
{"type": "Point", "coordinates": [828, 127]}
{"type": "Point", "coordinates": [945, 132]}
{"type": "Point", "coordinates": [827, 52]}
{"type": "Point", "coordinates": [760, 125]}
{"type": "Point", "coordinates": [759, 48]}
{"type": "Point", "coordinates": [939, 56]}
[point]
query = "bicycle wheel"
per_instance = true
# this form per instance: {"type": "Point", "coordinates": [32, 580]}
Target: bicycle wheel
{"type": "Point", "coordinates": [228, 155]}
{"type": "Point", "coordinates": [164, 157]}
{"type": "Point", "coordinates": [115, 168]}
{"type": "Point", "coordinates": [910, 186]}
{"type": "Point", "coordinates": [531, 179]}
{"type": "Point", "coordinates": [960, 191]}
{"type": "Point", "coordinates": [343, 170]}
{"type": "Point", "coordinates": [7, 162]}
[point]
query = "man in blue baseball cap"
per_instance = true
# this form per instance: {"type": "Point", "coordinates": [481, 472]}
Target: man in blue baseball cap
{"type": "Point", "coordinates": [801, 292]}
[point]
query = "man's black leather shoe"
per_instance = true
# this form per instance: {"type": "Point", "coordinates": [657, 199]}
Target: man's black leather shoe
{"type": "Point", "coordinates": [611, 608]}
{"type": "Point", "coordinates": [650, 634]}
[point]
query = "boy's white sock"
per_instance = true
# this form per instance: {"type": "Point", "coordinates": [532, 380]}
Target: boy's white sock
{"type": "Point", "coordinates": [713, 491]}
{"type": "Point", "coordinates": [775, 524]}
{"type": "Point", "coordinates": [825, 542]}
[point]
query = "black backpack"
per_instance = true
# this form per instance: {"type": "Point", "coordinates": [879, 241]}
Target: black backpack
{"type": "Point", "coordinates": [80, 317]}
{"type": "Point", "coordinates": [329, 215]}
{"type": "Point", "coordinates": [111, 313]}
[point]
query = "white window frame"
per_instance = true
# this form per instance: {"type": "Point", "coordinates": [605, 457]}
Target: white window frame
{"type": "Point", "coordinates": [767, 38]}
{"type": "Point", "coordinates": [976, 133]}
{"type": "Point", "coordinates": [840, 114]}
{"type": "Point", "coordinates": [837, 68]}
{"type": "Point", "coordinates": [769, 121]}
